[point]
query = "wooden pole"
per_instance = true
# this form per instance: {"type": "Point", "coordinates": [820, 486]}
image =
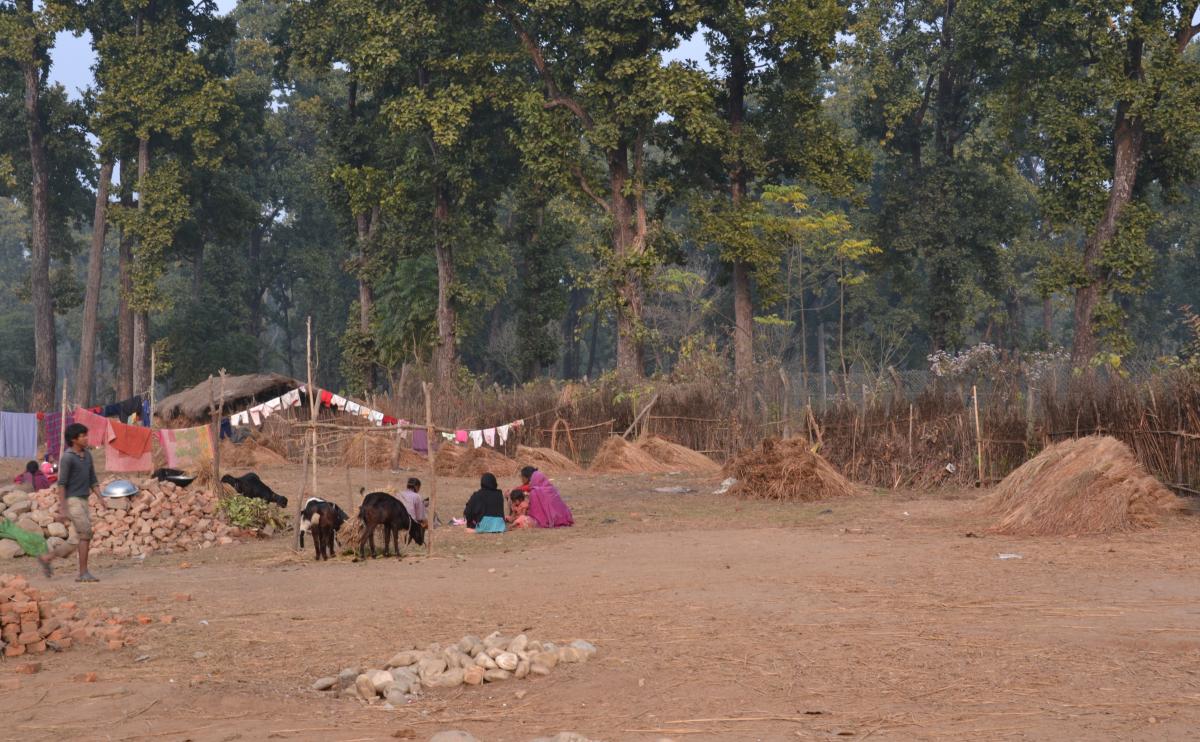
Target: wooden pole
{"type": "Point", "coordinates": [640, 415]}
{"type": "Point", "coordinates": [978, 433]}
{"type": "Point", "coordinates": [427, 388]}
{"type": "Point", "coordinates": [910, 429]}
{"type": "Point", "coordinates": [62, 433]}
{"type": "Point", "coordinates": [153, 369]}
{"type": "Point", "coordinates": [212, 409]}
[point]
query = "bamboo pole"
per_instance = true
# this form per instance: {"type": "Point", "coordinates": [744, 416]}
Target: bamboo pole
{"type": "Point", "coordinates": [427, 389]}
{"type": "Point", "coordinates": [153, 369]}
{"type": "Point", "coordinates": [978, 433]}
{"type": "Point", "coordinates": [910, 429]}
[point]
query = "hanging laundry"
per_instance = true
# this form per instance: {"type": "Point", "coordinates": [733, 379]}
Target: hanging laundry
{"type": "Point", "coordinates": [338, 401]}
{"type": "Point", "coordinates": [227, 428]}
{"type": "Point", "coordinates": [127, 448]}
{"type": "Point", "coordinates": [476, 438]}
{"type": "Point", "coordinates": [377, 417]}
{"type": "Point", "coordinates": [292, 398]}
{"type": "Point", "coordinates": [489, 437]}
{"type": "Point", "coordinates": [326, 398]}
{"type": "Point", "coordinates": [353, 407]}
{"type": "Point", "coordinates": [97, 426]}
{"type": "Point", "coordinates": [54, 427]}
{"type": "Point", "coordinates": [186, 447]}
{"type": "Point", "coordinates": [460, 436]}
{"type": "Point", "coordinates": [502, 433]}
{"type": "Point", "coordinates": [420, 442]}
{"type": "Point", "coordinates": [18, 435]}
{"type": "Point", "coordinates": [448, 437]}
{"type": "Point", "coordinates": [146, 412]}
{"type": "Point", "coordinates": [255, 416]}
{"type": "Point", "coordinates": [389, 420]}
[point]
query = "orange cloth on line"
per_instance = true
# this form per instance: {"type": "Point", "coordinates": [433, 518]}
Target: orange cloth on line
{"type": "Point", "coordinates": [131, 440]}
{"type": "Point", "coordinates": [118, 460]}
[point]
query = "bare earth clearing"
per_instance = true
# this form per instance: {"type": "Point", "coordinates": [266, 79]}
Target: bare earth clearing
{"type": "Point", "coordinates": [875, 617]}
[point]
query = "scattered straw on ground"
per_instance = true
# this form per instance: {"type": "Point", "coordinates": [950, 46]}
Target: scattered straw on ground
{"type": "Point", "coordinates": [679, 458]}
{"type": "Point", "coordinates": [1080, 486]}
{"type": "Point", "coordinates": [453, 461]}
{"type": "Point", "coordinates": [617, 456]}
{"type": "Point", "coordinates": [546, 460]}
{"type": "Point", "coordinates": [787, 470]}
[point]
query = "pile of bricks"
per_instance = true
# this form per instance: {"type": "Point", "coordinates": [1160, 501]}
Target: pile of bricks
{"type": "Point", "coordinates": [32, 621]}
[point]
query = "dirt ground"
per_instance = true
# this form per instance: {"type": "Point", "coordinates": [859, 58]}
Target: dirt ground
{"type": "Point", "coordinates": [878, 617]}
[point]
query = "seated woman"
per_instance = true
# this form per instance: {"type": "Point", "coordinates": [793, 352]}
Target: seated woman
{"type": "Point", "coordinates": [485, 509]}
{"type": "Point", "coordinates": [546, 506]}
{"type": "Point", "coordinates": [32, 479]}
{"type": "Point", "coordinates": [520, 511]}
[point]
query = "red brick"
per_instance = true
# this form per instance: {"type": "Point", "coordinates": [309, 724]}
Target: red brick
{"type": "Point", "coordinates": [29, 627]}
{"type": "Point", "coordinates": [37, 647]}
{"type": "Point", "coordinates": [29, 638]}
{"type": "Point", "coordinates": [29, 668]}
{"type": "Point", "coordinates": [115, 644]}
{"type": "Point", "coordinates": [145, 620]}
{"type": "Point", "coordinates": [87, 677]}
{"type": "Point", "coordinates": [14, 650]}
{"type": "Point", "coordinates": [167, 619]}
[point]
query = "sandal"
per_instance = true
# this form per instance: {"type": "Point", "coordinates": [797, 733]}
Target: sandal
{"type": "Point", "coordinates": [86, 578]}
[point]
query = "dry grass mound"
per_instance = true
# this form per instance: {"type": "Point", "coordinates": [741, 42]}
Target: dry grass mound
{"type": "Point", "coordinates": [378, 453]}
{"type": "Point", "coordinates": [617, 456]}
{"type": "Point", "coordinates": [453, 461]}
{"type": "Point", "coordinates": [249, 453]}
{"type": "Point", "coordinates": [546, 460]}
{"type": "Point", "coordinates": [787, 470]}
{"type": "Point", "coordinates": [1081, 486]}
{"type": "Point", "coordinates": [350, 535]}
{"type": "Point", "coordinates": [679, 458]}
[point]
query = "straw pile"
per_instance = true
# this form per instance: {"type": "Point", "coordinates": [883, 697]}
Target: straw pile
{"type": "Point", "coordinates": [249, 453]}
{"type": "Point", "coordinates": [787, 470]}
{"type": "Point", "coordinates": [452, 461]}
{"type": "Point", "coordinates": [546, 460]}
{"type": "Point", "coordinates": [1081, 486]}
{"type": "Point", "coordinates": [350, 535]}
{"type": "Point", "coordinates": [617, 456]}
{"type": "Point", "coordinates": [679, 458]}
{"type": "Point", "coordinates": [378, 452]}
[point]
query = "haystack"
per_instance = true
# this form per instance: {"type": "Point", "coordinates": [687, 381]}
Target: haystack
{"type": "Point", "coordinates": [617, 456]}
{"type": "Point", "coordinates": [1081, 486]}
{"type": "Point", "coordinates": [452, 461]}
{"type": "Point", "coordinates": [249, 453]}
{"type": "Point", "coordinates": [787, 470]}
{"type": "Point", "coordinates": [379, 451]}
{"type": "Point", "coordinates": [546, 460]}
{"type": "Point", "coordinates": [679, 458]}
{"type": "Point", "coordinates": [193, 406]}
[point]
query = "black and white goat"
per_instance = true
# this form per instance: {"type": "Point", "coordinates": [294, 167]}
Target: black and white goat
{"type": "Point", "coordinates": [323, 519]}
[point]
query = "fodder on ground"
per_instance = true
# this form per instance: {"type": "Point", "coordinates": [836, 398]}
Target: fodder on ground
{"type": "Point", "coordinates": [679, 458]}
{"type": "Point", "coordinates": [1086, 485]}
{"type": "Point", "coordinates": [787, 470]}
{"type": "Point", "coordinates": [617, 456]}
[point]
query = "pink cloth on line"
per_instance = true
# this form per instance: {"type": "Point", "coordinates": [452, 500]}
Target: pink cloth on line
{"type": "Point", "coordinates": [97, 426]}
{"type": "Point", "coordinates": [546, 506]}
{"type": "Point", "coordinates": [460, 436]}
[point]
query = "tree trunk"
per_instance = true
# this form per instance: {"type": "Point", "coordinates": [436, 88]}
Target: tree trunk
{"type": "Point", "coordinates": [571, 359]}
{"type": "Point", "coordinates": [591, 367]}
{"type": "Point", "coordinates": [447, 352]}
{"type": "Point", "coordinates": [627, 243]}
{"type": "Point", "coordinates": [85, 381]}
{"type": "Point", "coordinates": [124, 310]}
{"type": "Point", "coordinates": [141, 317]}
{"type": "Point", "coordinates": [1127, 136]}
{"type": "Point", "coordinates": [1048, 319]}
{"type": "Point", "coordinates": [743, 307]}
{"type": "Point", "coordinates": [45, 368]}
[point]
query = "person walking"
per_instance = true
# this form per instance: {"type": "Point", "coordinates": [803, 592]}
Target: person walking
{"type": "Point", "coordinates": [76, 481]}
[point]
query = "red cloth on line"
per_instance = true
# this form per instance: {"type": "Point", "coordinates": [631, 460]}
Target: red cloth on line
{"type": "Point", "coordinates": [132, 440]}
{"type": "Point", "coordinates": [115, 459]}
{"type": "Point", "coordinates": [326, 398]}
{"type": "Point", "coordinates": [389, 420]}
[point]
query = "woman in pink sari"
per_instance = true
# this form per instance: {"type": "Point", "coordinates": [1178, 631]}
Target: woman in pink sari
{"type": "Point", "coordinates": [546, 506]}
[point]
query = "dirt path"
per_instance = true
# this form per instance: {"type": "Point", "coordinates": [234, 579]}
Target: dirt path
{"type": "Point", "coordinates": [876, 618]}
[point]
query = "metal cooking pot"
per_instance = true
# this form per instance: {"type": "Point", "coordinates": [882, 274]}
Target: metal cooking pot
{"type": "Point", "coordinates": [120, 488]}
{"type": "Point", "coordinates": [181, 480]}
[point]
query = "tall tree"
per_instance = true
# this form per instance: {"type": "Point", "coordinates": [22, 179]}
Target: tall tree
{"type": "Point", "coordinates": [1110, 96]}
{"type": "Point", "coordinates": [605, 97]}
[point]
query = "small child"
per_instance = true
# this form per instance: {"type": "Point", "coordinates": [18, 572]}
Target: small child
{"type": "Point", "coordinates": [520, 510]}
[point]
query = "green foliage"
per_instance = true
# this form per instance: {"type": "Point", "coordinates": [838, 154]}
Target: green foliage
{"type": "Point", "coordinates": [249, 513]}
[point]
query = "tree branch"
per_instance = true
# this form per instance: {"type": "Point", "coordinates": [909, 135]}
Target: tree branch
{"type": "Point", "coordinates": [554, 95]}
{"type": "Point", "coordinates": [1187, 30]}
{"type": "Point", "coordinates": [587, 188]}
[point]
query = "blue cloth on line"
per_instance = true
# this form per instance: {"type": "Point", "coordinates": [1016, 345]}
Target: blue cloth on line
{"type": "Point", "coordinates": [18, 435]}
{"type": "Point", "coordinates": [227, 428]}
{"type": "Point", "coordinates": [145, 413]}
{"type": "Point", "coordinates": [490, 524]}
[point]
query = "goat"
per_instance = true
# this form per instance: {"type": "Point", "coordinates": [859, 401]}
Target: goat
{"type": "Point", "coordinates": [306, 525]}
{"type": "Point", "coordinates": [249, 485]}
{"type": "Point", "coordinates": [323, 519]}
{"type": "Point", "coordinates": [381, 508]}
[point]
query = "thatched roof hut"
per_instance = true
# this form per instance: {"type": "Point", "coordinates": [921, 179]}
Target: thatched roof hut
{"type": "Point", "coordinates": [241, 392]}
